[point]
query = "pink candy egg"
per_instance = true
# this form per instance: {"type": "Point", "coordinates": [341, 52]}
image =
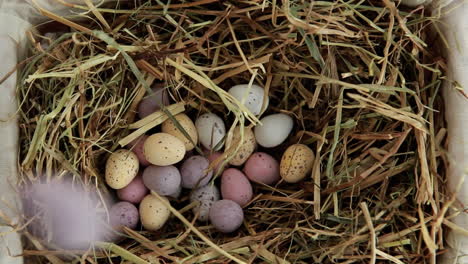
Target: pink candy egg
{"type": "Point", "coordinates": [137, 147]}
{"type": "Point", "coordinates": [236, 187]}
{"type": "Point", "coordinates": [262, 168]}
{"type": "Point", "coordinates": [134, 192]}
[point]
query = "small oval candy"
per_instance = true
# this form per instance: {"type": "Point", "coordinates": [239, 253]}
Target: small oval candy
{"type": "Point", "coordinates": [163, 149]}
{"type": "Point", "coordinates": [194, 172]}
{"type": "Point", "coordinates": [273, 130]}
{"type": "Point", "coordinates": [253, 97]}
{"type": "Point", "coordinates": [206, 195]}
{"type": "Point", "coordinates": [226, 216]}
{"type": "Point", "coordinates": [124, 214]}
{"type": "Point", "coordinates": [236, 187]}
{"type": "Point", "coordinates": [165, 180]}
{"type": "Point", "coordinates": [121, 167]}
{"type": "Point", "coordinates": [211, 130]}
{"type": "Point", "coordinates": [137, 147]}
{"type": "Point", "coordinates": [246, 148]}
{"type": "Point", "coordinates": [152, 103]}
{"type": "Point", "coordinates": [134, 192]}
{"type": "Point", "coordinates": [186, 123]}
{"type": "Point", "coordinates": [262, 168]}
{"type": "Point", "coordinates": [153, 213]}
{"type": "Point", "coordinates": [296, 163]}
{"type": "Point", "coordinates": [213, 157]}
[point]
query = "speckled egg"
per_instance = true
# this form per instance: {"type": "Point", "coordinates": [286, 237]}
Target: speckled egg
{"type": "Point", "coordinates": [165, 180]}
{"type": "Point", "coordinates": [236, 186]}
{"type": "Point", "coordinates": [186, 123]}
{"type": "Point", "coordinates": [162, 149]}
{"type": "Point", "coordinates": [137, 147]}
{"type": "Point", "coordinates": [253, 97]}
{"type": "Point", "coordinates": [194, 172]}
{"type": "Point", "coordinates": [134, 192]}
{"type": "Point", "coordinates": [246, 148]}
{"type": "Point", "coordinates": [211, 130]}
{"type": "Point", "coordinates": [262, 168]}
{"type": "Point", "coordinates": [152, 103]}
{"type": "Point", "coordinates": [226, 216]}
{"type": "Point", "coordinates": [121, 167]}
{"type": "Point", "coordinates": [206, 195]}
{"type": "Point", "coordinates": [296, 163]}
{"type": "Point", "coordinates": [123, 214]}
{"type": "Point", "coordinates": [273, 130]}
{"type": "Point", "coordinates": [153, 213]}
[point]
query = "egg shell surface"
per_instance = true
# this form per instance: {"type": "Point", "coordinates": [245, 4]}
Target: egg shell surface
{"type": "Point", "coordinates": [124, 214]}
{"type": "Point", "coordinates": [246, 148]}
{"type": "Point", "coordinates": [226, 216]}
{"type": "Point", "coordinates": [163, 149]}
{"type": "Point", "coordinates": [134, 192]}
{"type": "Point", "coordinates": [211, 130]}
{"type": "Point", "coordinates": [137, 147]}
{"type": "Point", "coordinates": [153, 213]}
{"type": "Point", "coordinates": [253, 97]}
{"type": "Point", "coordinates": [296, 163]}
{"type": "Point", "coordinates": [213, 157]}
{"type": "Point", "coordinates": [207, 196]}
{"type": "Point", "coordinates": [186, 123]}
{"type": "Point", "coordinates": [273, 130]}
{"type": "Point", "coordinates": [165, 180]}
{"type": "Point", "coordinates": [194, 172]}
{"type": "Point", "coordinates": [262, 168]}
{"type": "Point", "coordinates": [152, 103]}
{"type": "Point", "coordinates": [121, 168]}
{"type": "Point", "coordinates": [236, 186]}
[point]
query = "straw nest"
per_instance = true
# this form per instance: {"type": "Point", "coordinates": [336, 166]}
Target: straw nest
{"type": "Point", "coordinates": [360, 78]}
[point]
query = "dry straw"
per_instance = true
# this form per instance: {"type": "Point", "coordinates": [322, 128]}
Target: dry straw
{"type": "Point", "coordinates": [361, 78]}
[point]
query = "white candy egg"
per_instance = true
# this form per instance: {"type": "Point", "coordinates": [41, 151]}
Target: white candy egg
{"type": "Point", "coordinates": [273, 130]}
{"type": "Point", "coordinates": [207, 196]}
{"type": "Point", "coordinates": [253, 97]}
{"type": "Point", "coordinates": [211, 130]}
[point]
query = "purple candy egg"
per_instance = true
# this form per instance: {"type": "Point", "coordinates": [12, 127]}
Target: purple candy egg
{"type": "Point", "coordinates": [152, 103]}
{"type": "Point", "coordinates": [226, 216]}
{"type": "Point", "coordinates": [164, 180]}
{"type": "Point", "coordinates": [193, 172]}
{"type": "Point", "coordinates": [124, 214]}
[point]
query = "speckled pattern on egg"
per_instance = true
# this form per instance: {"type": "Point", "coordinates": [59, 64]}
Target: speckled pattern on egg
{"type": "Point", "coordinates": [247, 147]}
{"type": "Point", "coordinates": [153, 213]}
{"type": "Point", "coordinates": [194, 172]}
{"type": "Point", "coordinates": [186, 123]}
{"type": "Point", "coordinates": [211, 130]}
{"type": "Point", "coordinates": [254, 98]}
{"type": "Point", "coordinates": [296, 163]}
{"type": "Point", "coordinates": [206, 195]}
{"type": "Point", "coordinates": [236, 186]}
{"type": "Point", "coordinates": [163, 149]}
{"type": "Point", "coordinates": [124, 214]}
{"type": "Point", "coordinates": [121, 168]}
{"type": "Point", "coordinates": [165, 180]}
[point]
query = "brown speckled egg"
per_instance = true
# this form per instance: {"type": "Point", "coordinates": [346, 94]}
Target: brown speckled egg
{"type": "Point", "coordinates": [121, 168]}
{"type": "Point", "coordinates": [163, 149]}
{"type": "Point", "coordinates": [134, 192]}
{"type": "Point", "coordinates": [262, 168]}
{"type": "Point", "coordinates": [246, 148]}
{"type": "Point", "coordinates": [296, 163]}
{"type": "Point", "coordinates": [226, 216]}
{"type": "Point", "coordinates": [137, 147]}
{"type": "Point", "coordinates": [124, 214]}
{"type": "Point", "coordinates": [153, 213]}
{"type": "Point", "coordinates": [186, 123]}
{"type": "Point", "coordinates": [236, 187]}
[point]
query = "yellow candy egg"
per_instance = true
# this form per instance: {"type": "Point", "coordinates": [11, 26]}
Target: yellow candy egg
{"type": "Point", "coordinates": [121, 168]}
{"type": "Point", "coordinates": [247, 147]}
{"type": "Point", "coordinates": [153, 213]}
{"type": "Point", "coordinates": [162, 149]}
{"type": "Point", "coordinates": [186, 123]}
{"type": "Point", "coordinates": [296, 163]}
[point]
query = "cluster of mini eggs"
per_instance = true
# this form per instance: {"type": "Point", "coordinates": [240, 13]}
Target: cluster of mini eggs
{"type": "Point", "coordinates": [163, 162]}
